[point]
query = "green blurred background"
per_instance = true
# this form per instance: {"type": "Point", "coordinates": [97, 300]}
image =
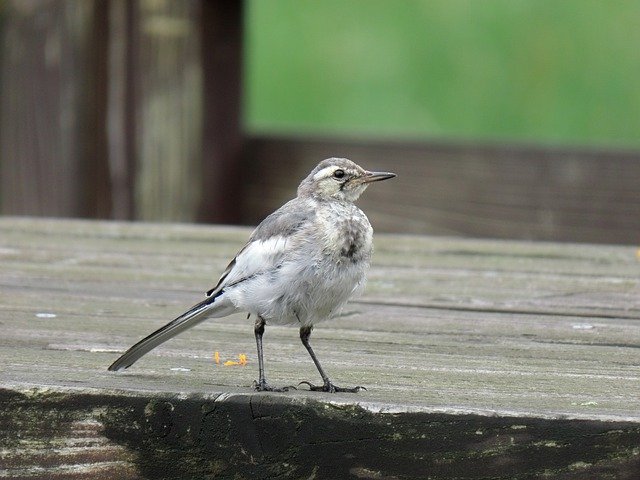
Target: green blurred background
{"type": "Point", "coordinates": [544, 71]}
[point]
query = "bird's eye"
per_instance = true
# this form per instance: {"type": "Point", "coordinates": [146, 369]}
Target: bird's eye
{"type": "Point", "coordinates": [338, 173]}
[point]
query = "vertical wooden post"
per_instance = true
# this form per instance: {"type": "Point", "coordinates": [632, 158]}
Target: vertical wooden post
{"type": "Point", "coordinates": [51, 102]}
{"type": "Point", "coordinates": [120, 119]}
{"type": "Point", "coordinates": [94, 180]}
{"type": "Point", "coordinates": [168, 110]}
{"type": "Point", "coordinates": [222, 140]}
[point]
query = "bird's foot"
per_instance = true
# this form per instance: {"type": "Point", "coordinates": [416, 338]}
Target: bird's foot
{"type": "Point", "coordinates": [331, 388]}
{"type": "Point", "coordinates": [263, 386]}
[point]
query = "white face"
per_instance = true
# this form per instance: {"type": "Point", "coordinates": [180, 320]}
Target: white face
{"type": "Point", "coordinates": [340, 182]}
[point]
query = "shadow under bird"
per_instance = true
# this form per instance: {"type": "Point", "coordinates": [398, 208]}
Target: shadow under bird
{"type": "Point", "coordinates": [300, 266]}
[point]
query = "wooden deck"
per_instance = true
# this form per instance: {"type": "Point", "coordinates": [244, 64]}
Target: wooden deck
{"type": "Point", "coordinates": [482, 359]}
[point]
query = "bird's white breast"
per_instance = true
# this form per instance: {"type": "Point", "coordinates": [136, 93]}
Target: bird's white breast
{"type": "Point", "coordinates": [309, 276]}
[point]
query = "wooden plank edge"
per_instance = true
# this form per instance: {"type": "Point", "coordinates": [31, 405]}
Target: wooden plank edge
{"type": "Point", "coordinates": [46, 431]}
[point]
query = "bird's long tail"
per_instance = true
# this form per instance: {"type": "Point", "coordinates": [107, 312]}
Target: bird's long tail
{"type": "Point", "coordinates": [193, 316]}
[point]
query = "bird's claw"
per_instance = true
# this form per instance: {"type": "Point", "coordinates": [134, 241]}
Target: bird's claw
{"type": "Point", "coordinates": [331, 388]}
{"type": "Point", "coordinates": [263, 386]}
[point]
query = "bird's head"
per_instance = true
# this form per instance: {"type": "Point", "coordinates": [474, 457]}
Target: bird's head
{"type": "Point", "coordinates": [340, 179]}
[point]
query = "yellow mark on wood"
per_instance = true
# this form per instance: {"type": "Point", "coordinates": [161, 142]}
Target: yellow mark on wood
{"type": "Point", "coordinates": [242, 360]}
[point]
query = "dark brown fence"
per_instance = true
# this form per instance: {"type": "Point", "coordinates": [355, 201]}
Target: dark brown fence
{"type": "Point", "coordinates": [131, 110]}
{"type": "Point", "coordinates": [120, 109]}
{"type": "Point", "coordinates": [502, 191]}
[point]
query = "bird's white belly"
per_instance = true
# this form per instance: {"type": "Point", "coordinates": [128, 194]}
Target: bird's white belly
{"type": "Point", "coordinates": [297, 294]}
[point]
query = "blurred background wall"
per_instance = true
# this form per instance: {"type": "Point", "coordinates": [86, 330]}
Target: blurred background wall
{"type": "Point", "coordinates": [503, 118]}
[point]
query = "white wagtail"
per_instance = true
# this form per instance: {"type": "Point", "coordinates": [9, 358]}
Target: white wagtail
{"type": "Point", "coordinates": [300, 266]}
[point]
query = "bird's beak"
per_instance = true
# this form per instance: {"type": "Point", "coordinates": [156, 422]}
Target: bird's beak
{"type": "Point", "coordinates": [376, 176]}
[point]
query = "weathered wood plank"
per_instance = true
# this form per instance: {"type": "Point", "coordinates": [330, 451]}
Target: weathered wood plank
{"type": "Point", "coordinates": [488, 303]}
{"type": "Point", "coordinates": [523, 357]}
{"type": "Point", "coordinates": [266, 437]}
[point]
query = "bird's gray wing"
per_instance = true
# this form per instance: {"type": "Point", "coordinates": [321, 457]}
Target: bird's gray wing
{"type": "Point", "coordinates": [267, 245]}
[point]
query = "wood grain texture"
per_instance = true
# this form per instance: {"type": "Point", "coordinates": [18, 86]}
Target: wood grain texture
{"type": "Point", "coordinates": [52, 99]}
{"type": "Point", "coordinates": [519, 357]}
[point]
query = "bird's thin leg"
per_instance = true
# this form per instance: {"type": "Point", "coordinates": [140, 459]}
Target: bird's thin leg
{"type": "Point", "coordinates": [305, 333]}
{"type": "Point", "coordinates": [261, 385]}
{"type": "Point", "coordinates": [258, 330]}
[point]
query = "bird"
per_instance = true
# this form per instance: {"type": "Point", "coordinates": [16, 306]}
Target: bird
{"type": "Point", "coordinates": [301, 265]}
